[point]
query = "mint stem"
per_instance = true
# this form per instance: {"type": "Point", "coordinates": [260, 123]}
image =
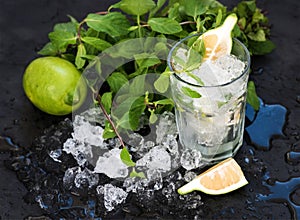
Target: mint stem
{"type": "Point", "coordinates": [101, 12]}
{"type": "Point", "coordinates": [187, 22]}
{"type": "Point", "coordinates": [79, 31]}
{"type": "Point", "coordinates": [98, 98]}
{"type": "Point", "coordinates": [182, 23]}
{"type": "Point", "coordinates": [139, 25]}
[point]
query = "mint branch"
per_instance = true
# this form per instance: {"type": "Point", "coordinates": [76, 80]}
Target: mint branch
{"type": "Point", "coordinates": [98, 98]}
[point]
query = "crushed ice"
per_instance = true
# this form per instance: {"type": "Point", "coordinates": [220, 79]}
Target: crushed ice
{"type": "Point", "coordinates": [55, 154]}
{"type": "Point", "coordinates": [191, 159]}
{"type": "Point", "coordinates": [79, 178]}
{"type": "Point", "coordinates": [218, 72]}
{"type": "Point", "coordinates": [166, 126]}
{"type": "Point", "coordinates": [113, 195]}
{"type": "Point", "coordinates": [85, 132]}
{"type": "Point", "coordinates": [154, 158]}
{"type": "Point", "coordinates": [111, 164]}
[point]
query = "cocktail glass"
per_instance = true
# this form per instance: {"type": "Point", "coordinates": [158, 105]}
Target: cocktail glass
{"type": "Point", "coordinates": [210, 118]}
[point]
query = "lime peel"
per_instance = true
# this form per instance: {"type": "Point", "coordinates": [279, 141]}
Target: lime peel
{"type": "Point", "coordinates": [54, 85]}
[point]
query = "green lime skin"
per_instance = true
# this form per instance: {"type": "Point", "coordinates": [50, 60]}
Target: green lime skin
{"type": "Point", "coordinates": [54, 85]}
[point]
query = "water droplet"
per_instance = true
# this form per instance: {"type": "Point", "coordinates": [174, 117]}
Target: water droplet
{"type": "Point", "coordinates": [293, 157]}
{"type": "Point", "coordinates": [295, 196]}
{"type": "Point", "coordinates": [298, 98]}
{"type": "Point", "coordinates": [271, 181]}
{"type": "Point", "coordinates": [281, 192]}
{"type": "Point", "coordinates": [247, 160]}
{"type": "Point", "coordinates": [296, 146]}
{"type": "Point", "coordinates": [251, 151]}
{"type": "Point", "coordinates": [6, 144]}
{"type": "Point", "coordinates": [258, 71]}
{"type": "Point", "coordinates": [65, 201]}
{"type": "Point", "coordinates": [268, 122]}
{"type": "Point", "coordinates": [294, 133]}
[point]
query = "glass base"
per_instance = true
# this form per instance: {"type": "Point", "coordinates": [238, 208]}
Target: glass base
{"type": "Point", "coordinates": [216, 154]}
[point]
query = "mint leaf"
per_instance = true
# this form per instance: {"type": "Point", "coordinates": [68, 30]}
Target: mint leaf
{"type": "Point", "coordinates": [161, 49]}
{"type": "Point", "coordinates": [159, 5]}
{"type": "Point", "coordinates": [106, 100]}
{"type": "Point", "coordinates": [49, 50]}
{"type": "Point", "coordinates": [116, 81]}
{"type": "Point", "coordinates": [194, 59]}
{"type": "Point", "coordinates": [108, 131]}
{"type": "Point", "coordinates": [137, 85]}
{"type": "Point", "coordinates": [164, 25]}
{"type": "Point", "coordinates": [114, 24]}
{"type": "Point", "coordinates": [136, 7]}
{"type": "Point", "coordinates": [79, 61]}
{"type": "Point", "coordinates": [198, 80]}
{"type": "Point", "coordinates": [191, 93]}
{"type": "Point", "coordinates": [164, 102]}
{"type": "Point", "coordinates": [126, 157]}
{"type": "Point", "coordinates": [258, 36]}
{"type": "Point", "coordinates": [66, 27]}
{"type": "Point", "coordinates": [136, 111]}
{"type": "Point", "coordinates": [162, 83]}
{"type": "Point", "coordinates": [61, 39]}
{"type": "Point", "coordinates": [245, 8]}
{"type": "Point", "coordinates": [138, 72]}
{"type": "Point", "coordinates": [129, 111]}
{"type": "Point", "coordinates": [88, 57]}
{"type": "Point", "coordinates": [123, 105]}
{"type": "Point", "coordinates": [73, 20]}
{"type": "Point", "coordinates": [126, 50]}
{"type": "Point", "coordinates": [145, 60]}
{"type": "Point", "coordinates": [153, 117]}
{"type": "Point", "coordinates": [258, 17]}
{"type": "Point", "coordinates": [219, 18]}
{"type": "Point", "coordinates": [98, 43]}
{"type": "Point", "coordinates": [242, 23]}
{"type": "Point", "coordinates": [261, 47]}
{"type": "Point", "coordinates": [194, 8]}
{"type": "Point", "coordinates": [252, 97]}
{"type": "Point", "coordinates": [137, 174]}
{"type": "Point", "coordinates": [227, 97]}
{"type": "Point", "coordinates": [123, 122]}
{"type": "Point", "coordinates": [174, 12]}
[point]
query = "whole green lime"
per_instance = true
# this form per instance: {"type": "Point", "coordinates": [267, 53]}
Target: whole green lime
{"type": "Point", "coordinates": [54, 85]}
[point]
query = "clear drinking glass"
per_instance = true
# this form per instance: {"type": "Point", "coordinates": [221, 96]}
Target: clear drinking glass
{"type": "Point", "coordinates": [210, 117]}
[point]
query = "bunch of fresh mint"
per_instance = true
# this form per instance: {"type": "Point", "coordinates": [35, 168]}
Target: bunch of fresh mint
{"type": "Point", "coordinates": [81, 41]}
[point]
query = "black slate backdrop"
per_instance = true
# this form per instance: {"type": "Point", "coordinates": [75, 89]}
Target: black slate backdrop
{"type": "Point", "coordinates": [24, 27]}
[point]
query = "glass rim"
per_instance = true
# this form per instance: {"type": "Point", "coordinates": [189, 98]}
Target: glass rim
{"type": "Point", "coordinates": [245, 71]}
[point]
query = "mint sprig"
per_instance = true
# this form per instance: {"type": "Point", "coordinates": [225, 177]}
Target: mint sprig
{"type": "Point", "coordinates": [81, 41]}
